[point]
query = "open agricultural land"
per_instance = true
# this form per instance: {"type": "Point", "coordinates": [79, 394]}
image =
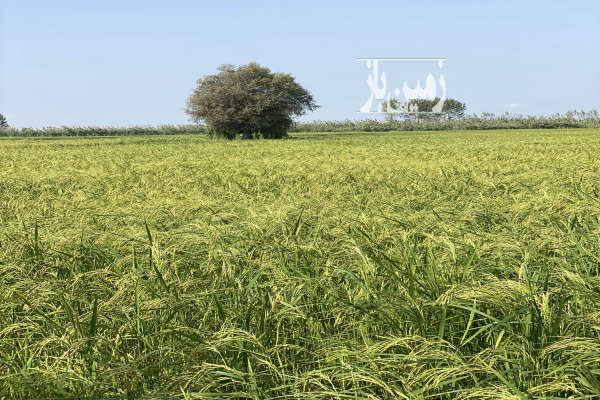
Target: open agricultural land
{"type": "Point", "coordinates": [397, 265]}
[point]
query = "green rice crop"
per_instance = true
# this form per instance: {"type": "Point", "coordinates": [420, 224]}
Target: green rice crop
{"type": "Point", "coordinates": [399, 265]}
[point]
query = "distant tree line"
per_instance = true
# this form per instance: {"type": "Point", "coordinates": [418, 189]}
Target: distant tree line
{"type": "Point", "coordinates": [571, 119]}
{"type": "Point", "coordinates": [423, 109]}
{"type": "Point", "coordinates": [104, 131]}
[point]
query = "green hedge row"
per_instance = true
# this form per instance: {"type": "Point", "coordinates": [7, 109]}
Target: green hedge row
{"type": "Point", "coordinates": [104, 131]}
{"type": "Point", "coordinates": [572, 119]}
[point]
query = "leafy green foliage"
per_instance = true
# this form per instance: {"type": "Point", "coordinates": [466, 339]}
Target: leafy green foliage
{"type": "Point", "coordinates": [3, 122]}
{"type": "Point", "coordinates": [391, 108]}
{"type": "Point", "coordinates": [452, 109]}
{"type": "Point", "coordinates": [105, 131]}
{"type": "Point", "coordinates": [425, 265]}
{"type": "Point", "coordinates": [248, 100]}
{"type": "Point", "coordinates": [571, 119]}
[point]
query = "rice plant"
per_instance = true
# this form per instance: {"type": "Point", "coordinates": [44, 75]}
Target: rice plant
{"type": "Point", "coordinates": [412, 265]}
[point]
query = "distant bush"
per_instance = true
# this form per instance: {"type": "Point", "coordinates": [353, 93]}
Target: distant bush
{"type": "Point", "coordinates": [572, 119]}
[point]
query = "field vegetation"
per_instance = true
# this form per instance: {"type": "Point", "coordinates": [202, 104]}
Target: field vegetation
{"type": "Point", "coordinates": [102, 131]}
{"type": "Point", "coordinates": [397, 265]}
{"type": "Point", "coordinates": [486, 121]}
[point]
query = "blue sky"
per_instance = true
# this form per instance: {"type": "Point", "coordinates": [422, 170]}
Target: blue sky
{"type": "Point", "coordinates": [124, 63]}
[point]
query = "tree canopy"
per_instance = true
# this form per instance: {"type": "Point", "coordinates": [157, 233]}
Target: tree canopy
{"type": "Point", "coordinates": [3, 122]}
{"type": "Point", "coordinates": [249, 100]}
{"type": "Point", "coordinates": [452, 109]}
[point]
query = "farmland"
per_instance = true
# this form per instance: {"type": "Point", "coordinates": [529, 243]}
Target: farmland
{"type": "Point", "coordinates": [415, 265]}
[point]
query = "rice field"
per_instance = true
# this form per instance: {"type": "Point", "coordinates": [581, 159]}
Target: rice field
{"type": "Point", "coordinates": [397, 265]}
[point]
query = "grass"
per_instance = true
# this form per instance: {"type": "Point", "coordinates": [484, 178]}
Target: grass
{"type": "Point", "coordinates": [422, 265]}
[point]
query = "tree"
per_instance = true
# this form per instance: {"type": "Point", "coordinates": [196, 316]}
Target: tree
{"type": "Point", "coordinates": [3, 123]}
{"type": "Point", "coordinates": [391, 108]}
{"type": "Point", "coordinates": [452, 109]}
{"type": "Point", "coordinates": [248, 100]}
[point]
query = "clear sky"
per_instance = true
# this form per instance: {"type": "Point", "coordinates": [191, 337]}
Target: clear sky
{"type": "Point", "coordinates": [124, 63]}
